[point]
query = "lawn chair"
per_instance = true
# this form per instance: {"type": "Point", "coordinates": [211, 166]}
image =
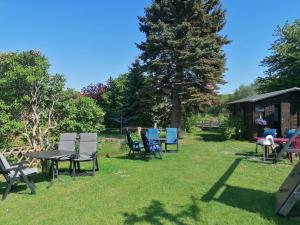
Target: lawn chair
{"type": "Point", "coordinates": [16, 172]}
{"type": "Point", "coordinates": [134, 147]}
{"type": "Point", "coordinates": [265, 134]}
{"type": "Point", "coordinates": [152, 134]}
{"type": "Point", "coordinates": [171, 138]}
{"type": "Point", "coordinates": [294, 148]}
{"type": "Point", "coordinates": [268, 145]}
{"type": "Point", "coordinates": [67, 142]}
{"type": "Point", "coordinates": [87, 152]}
{"type": "Point", "coordinates": [151, 148]}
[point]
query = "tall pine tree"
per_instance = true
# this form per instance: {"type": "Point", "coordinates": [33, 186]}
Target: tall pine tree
{"type": "Point", "coordinates": [138, 107]}
{"type": "Point", "coordinates": [183, 51]}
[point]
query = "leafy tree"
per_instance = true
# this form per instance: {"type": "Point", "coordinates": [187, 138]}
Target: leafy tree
{"type": "Point", "coordinates": [284, 62]}
{"type": "Point", "coordinates": [30, 94]}
{"type": "Point", "coordinates": [243, 91]}
{"type": "Point", "coordinates": [9, 127]}
{"type": "Point", "coordinates": [183, 51]}
{"type": "Point", "coordinates": [95, 91]}
{"type": "Point", "coordinates": [79, 113]}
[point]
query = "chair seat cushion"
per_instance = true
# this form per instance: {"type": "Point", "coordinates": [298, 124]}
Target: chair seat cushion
{"type": "Point", "coordinates": [83, 157]}
{"type": "Point", "coordinates": [27, 171]}
{"type": "Point", "coordinates": [155, 148]}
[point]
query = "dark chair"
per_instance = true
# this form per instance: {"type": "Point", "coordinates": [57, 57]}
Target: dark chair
{"type": "Point", "coordinates": [150, 148]}
{"type": "Point", "coordinates": [171, 138]}
{"type": "Point", "coordinates": [16, 172]}
{"type": "Point", "coordinates": [87, 152]}
{"type": "Point", "coordinates": [134, 147]}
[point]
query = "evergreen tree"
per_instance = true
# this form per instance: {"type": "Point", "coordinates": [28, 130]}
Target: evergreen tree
{"type": "Point", "coordinates": [114, 101]}
{"type": "Point", "coordinates": [183, 51]}
{"type": "Point", "coordinates": [284, 62]}
{"type": "Point", "coordinates": [137, 102]}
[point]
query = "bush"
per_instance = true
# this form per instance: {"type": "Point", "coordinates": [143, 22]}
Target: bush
{"type": "Point", "coordinates": [233, 127]}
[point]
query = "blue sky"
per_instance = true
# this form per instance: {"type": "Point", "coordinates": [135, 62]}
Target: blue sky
{"type": "Point", "coordinates": [88, 41]}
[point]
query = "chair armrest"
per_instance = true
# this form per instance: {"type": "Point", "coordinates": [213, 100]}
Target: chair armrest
{"type": "Point", "coordinates": [16, 168]}
{"type": "Point", "coordinates": [20, 163]}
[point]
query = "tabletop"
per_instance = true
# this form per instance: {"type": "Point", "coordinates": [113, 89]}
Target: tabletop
{"type": "Point", "coordinates": [276, 140]}
{"type": "Point", "coordinates": [49, 154]}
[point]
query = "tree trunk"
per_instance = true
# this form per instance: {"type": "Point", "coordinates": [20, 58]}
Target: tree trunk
{"type": "Point", "coordinates": [176, 113]}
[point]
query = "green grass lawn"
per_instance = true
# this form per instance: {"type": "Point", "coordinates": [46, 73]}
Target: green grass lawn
{"type": "Point", "coordinates": [208, 182]}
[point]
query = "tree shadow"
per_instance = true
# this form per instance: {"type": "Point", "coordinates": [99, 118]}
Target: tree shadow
{"type": "Point", "coordinates": [255, 201]}
{"type": "Point", "coordinates": [156, 214]}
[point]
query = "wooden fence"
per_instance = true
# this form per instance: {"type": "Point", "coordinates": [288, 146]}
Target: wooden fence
{"type": "Point", "coordinates": [17, 154]}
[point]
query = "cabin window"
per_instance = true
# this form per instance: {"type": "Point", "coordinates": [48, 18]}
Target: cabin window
{"type": "Point", "coordinates": [259, 108]}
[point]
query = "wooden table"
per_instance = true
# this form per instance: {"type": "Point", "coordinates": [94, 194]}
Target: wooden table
{"type": "Point", "coordinates": [52, 155]}
{"type": "Point", "coordinates": [280, 141]}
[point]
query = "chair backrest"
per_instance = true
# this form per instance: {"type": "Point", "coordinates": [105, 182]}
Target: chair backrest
{"type": "Point", "coordinates": [296, 143]}
{"type": "Point", "coordinates": [270, 141]}
{"type": "Point", "coordinates": [171, 135]}
{"type": "Point", "coordinates": [67, 142]}
{"type": "Point", "coordinates": [66, 146]}
{"type": "Point", "coordinates": [129, 139]}
{"type": "Point", "coordinates": [145, 141]}
{"type": "Point", "coordinates": [68, 137]}
{"type": "Point", "coordinates": [270, 132]}
{"type": "Point", "coordinates": [290, 133]}
{"type": "Point", "coordinates": [88, 143]}
{"type": "Point", "coordinates": [152, 133]}
{"type": "Point", "coordinates": [4, 164]}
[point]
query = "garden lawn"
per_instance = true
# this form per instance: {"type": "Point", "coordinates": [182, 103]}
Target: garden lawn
{"type": "Point", "coordinates": [208, 182]}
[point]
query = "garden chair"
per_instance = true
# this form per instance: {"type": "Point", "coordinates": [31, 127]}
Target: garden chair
{"type": "Point", "coordinates": [150, 148]}
{"type": "Point", "coordinates": [16, 172]}
{"type": "Point", "coordinates": [134, 147]}
{"type": "Point", "coordinates": [267, 132]}
{"type": "Point", "coordinates": [269, 145]}
{"type": "Point", "coordinates": [171, 138]}
{"type": "Point", "coordinates": [294, 148]}
{"type": "Point", "coordinates": [67, 142]}
{"type": "Point", "coordinates": [153, 135]}
{"type": "Point", "coordinates": [87, 152]}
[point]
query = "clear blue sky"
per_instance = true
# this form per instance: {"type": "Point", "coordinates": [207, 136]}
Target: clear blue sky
{"type": "Point", "coordinates": [88, 41]}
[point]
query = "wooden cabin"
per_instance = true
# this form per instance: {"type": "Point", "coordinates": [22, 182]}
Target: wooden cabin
{"type": "Point", "coordinates": [281, 110]}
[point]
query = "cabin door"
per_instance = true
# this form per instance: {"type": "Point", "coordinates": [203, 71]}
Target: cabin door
{"type": "Point", "coordinates": [285, 117]}
{"type": "Point", "coordinates": [277, 118]}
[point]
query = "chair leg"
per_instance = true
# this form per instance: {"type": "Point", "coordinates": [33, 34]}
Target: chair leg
{"type": "Point", "coordinates": [94, 166]}
{"type": "Point", "coordinates": [256, 149]}
{"type": "Point", "coordinates": [10, 183]}
{"type": "Point", "coordinates": [70, 167]}
{"type": "Point", "coordinates": [74, 168]}
{"type": "Point", "coordinates": [97, 165]}
{"type": "Point", "coordinates": [29, 184]}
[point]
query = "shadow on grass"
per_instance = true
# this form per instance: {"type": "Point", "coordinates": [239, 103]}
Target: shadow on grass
{"type": "Point", "coordinates": [254, 201]}
{"type": "Point", "coordinates": [156, 214]}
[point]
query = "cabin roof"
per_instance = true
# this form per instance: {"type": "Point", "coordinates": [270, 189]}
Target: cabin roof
{"type": "Point", "coordinates": [256, 98]}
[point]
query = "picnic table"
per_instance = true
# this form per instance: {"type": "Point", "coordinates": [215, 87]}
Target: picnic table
{"type": "Point", "coordinates": [52, 155]}
{"type": "Point", "coordinates": [276, 140]}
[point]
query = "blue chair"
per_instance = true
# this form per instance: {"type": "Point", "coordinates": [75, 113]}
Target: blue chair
{"type": "Point", "coordinates": [152, 134]}
{"type": "Point", "coordinates": [171, 138]}
{"type": "Point", "coordinates": [272, 132]}
{"type": "Point", "coordinates": [134, 147]}
{"type": "Point", "coordinates": [290, 133]}
{"type": "Point", "coordinates": [150, 148]}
